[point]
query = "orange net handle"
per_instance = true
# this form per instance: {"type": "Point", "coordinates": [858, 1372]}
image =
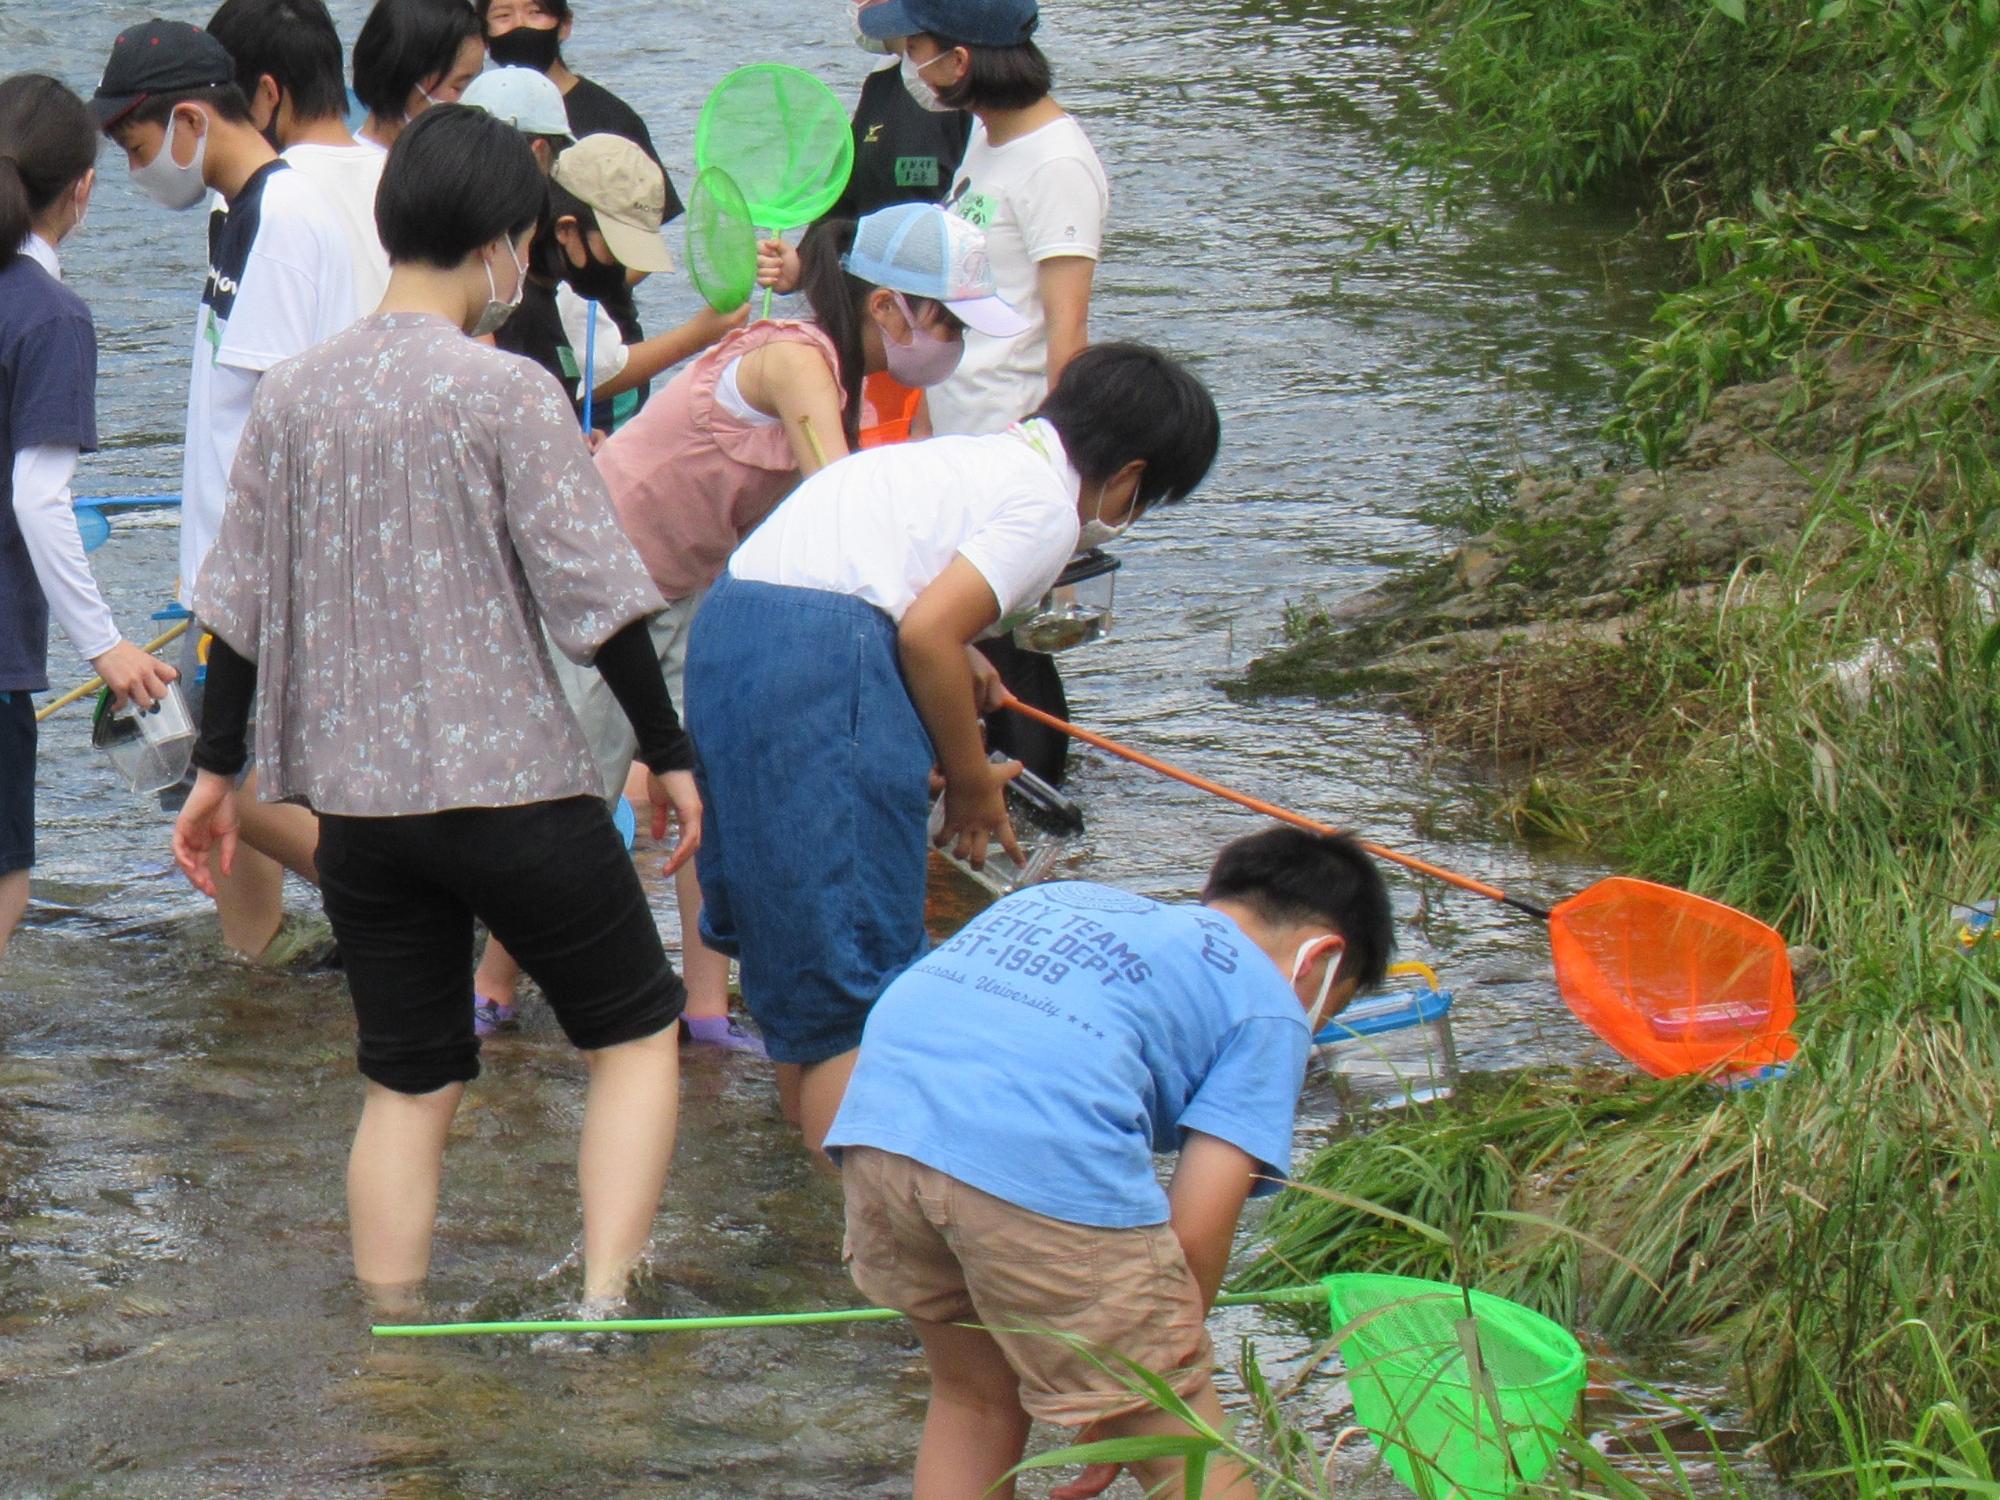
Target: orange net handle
{"type": "Point", "coordinates": [1269, 809]}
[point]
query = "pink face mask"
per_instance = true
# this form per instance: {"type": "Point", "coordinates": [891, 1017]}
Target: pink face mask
{"type": "Point", "coordinates": [926, 359]}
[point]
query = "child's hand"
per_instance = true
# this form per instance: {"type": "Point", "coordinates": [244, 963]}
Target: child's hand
{"type": "Point", "coordinates": [133, 676]}
{"type": "Point", "coordinates": [988, 691]}
{"type": "Point", "coordinates": [1093, 1481]}
{"type": "Point", "coordinates": [975, 815]}
{"type": "Point", "coordinates": [777, 267]}
{"type": "Point", "coordinates": [1095, 1478]}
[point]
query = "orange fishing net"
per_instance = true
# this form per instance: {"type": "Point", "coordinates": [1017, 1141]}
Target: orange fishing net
{"type": "Point", "coordinates": [1676, 982]}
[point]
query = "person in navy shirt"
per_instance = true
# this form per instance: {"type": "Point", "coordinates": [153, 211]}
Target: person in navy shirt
{"type": "Point", "coordinates": [48, 417]}
{"type": "Point", "coordinates": [997, 1139]}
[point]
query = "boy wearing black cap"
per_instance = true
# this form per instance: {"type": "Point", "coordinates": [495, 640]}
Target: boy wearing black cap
{"type": "Point", "coordinates": [280, 279]}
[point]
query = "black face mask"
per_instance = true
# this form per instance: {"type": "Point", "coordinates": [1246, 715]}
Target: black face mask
{"type": "Point", "coordinates": [526, 47]}
{"type": "Point", "coordinates": [595, 280]}
{"type": "Point", "coordinates": [270, 131]}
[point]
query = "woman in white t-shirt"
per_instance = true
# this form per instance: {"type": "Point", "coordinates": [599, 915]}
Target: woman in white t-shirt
{"type": "Point", "coordinates": [1030, 180]}
{"type": "Point", "coordinates": [829, 669]}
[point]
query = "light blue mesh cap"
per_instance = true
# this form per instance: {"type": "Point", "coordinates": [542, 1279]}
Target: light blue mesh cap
{"type": "Point", "coordinates": [522, 97]}
{"type": "Point", "coordinates": [921, 251]}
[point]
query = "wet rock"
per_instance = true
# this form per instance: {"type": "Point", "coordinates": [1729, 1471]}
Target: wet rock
{"type": "Point", "coordinates": [1478, 567]}
{"type": "Point", "coordinates": [1583, 547]}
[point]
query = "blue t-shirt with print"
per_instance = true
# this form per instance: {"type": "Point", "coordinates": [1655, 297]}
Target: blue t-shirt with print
{"type": "Point", "coordinates": [48, 387]}
{"type": "Point", "coordinates": [1068, 1033]}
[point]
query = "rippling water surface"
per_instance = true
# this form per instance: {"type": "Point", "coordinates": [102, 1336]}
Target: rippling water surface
{"type": "Point", "coordinates": [174, 1314]}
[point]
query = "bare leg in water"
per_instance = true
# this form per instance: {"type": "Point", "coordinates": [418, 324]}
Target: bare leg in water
{"type": "Point", "coordinates": [810, 1095]}
{"type": "Point", "coordinates": [13, 901]}
{"type": "Point", "coordinates": [631, 1113]}
{"type": "Point", "coordinates": [250, 900]}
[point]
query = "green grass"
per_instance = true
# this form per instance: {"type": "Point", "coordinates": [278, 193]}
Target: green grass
{"type": "Point", "coordinates": [1821, 748]}
{"type": "Point", "coordinates": [1835, 1237]}
{"type": "Point", "coordinates": [1942, 1451]}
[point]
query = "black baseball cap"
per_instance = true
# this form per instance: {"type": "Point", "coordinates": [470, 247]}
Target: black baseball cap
{"type": "Point", "coordinates": [159, 57]}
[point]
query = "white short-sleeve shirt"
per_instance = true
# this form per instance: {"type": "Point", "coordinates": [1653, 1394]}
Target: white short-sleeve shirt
{"type": "Point", "coordinates": [280, 279]}
{"type": "Point", "coordinates": [1037, 198]}
{"type": "Point", "coordinates": [347, 177]}
{"type": "Point", "coordinates": [882, 524]}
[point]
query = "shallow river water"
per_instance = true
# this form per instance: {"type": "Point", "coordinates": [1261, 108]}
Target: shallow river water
{"type": "Point", "coordinates": [175, 1317]}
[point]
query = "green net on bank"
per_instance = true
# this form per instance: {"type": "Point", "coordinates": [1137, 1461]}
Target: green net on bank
{"type": "Point", "coordinates": [721, 241]}
{"type": "Point", "coordinates": [1468, 1395]}
{"type": "Point", "coordinates": [783, 138]}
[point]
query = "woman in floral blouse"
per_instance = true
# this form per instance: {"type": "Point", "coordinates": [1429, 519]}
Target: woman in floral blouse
{"type": "Point", "coordinates": [409, 510]}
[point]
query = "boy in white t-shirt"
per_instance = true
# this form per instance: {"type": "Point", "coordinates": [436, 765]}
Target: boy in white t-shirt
{"type": "Point", "coordinates": [280, 279]}
{"type": "Point", "coordinates": [1029, 180]}
{"type": "Point", "coordinates": [288, 65]}
{"type": "Point", "coordinates": [830, 667]}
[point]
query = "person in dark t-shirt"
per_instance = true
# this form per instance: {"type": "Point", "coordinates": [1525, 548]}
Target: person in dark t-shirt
{"type": "Point", "coordinates": [600, 217]}
{"type": "Point", "coordinates": [903, 153]}
{"type": "Point", "coordinates": [48, 417]}
{"type": "Point", "coordinates": [530, 34]}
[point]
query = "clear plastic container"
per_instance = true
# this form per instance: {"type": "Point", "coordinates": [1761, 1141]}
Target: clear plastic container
{"type": "Point", "coordinates": [1044, 823]}
{"type": "Point", "coordinates": [149, 748]}
{"type": "Point", "coordinates": [1077, 610]}
{"type": "Point", "coordinates": [1718, 1020]}
{"type": "Point", "coordinates": [1420, 1012]}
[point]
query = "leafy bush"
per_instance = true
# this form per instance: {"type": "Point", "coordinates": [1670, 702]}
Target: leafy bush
{"type": "Point", "coordinates": [1681, 101]}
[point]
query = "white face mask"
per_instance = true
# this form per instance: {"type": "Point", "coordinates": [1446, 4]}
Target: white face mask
{"type": "Point", "coordinates": [1099, 532]}
{"type": "Point", "coordinates": [923, 93]}
{"type": "Point", "coordinates": [1301, 961]}
{"type": "Point", "coordinates": [165, 180]}
{"type": "Point", "coordinates": [82, 213]}
{"type": "Point", "coordinates": [497, 311]}
{"type": "Point", "coordinates": [410, 119]}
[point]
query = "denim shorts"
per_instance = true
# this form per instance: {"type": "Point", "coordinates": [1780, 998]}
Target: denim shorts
{"type": "Point", "coordinates": [815, 774]}
{"type": "Point", "coordinates": [17, 781]}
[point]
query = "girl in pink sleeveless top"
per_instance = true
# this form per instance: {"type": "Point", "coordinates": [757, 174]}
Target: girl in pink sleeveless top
{"type": "Point", "coordinates": [706, 460]}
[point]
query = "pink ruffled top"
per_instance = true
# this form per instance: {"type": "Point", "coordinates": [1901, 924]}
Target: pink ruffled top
{"type": "Point", "coordinates": [689, 477]}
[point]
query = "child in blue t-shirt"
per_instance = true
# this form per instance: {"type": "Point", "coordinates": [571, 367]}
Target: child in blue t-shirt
{"type": "Point", "coordinates": [996, 1142]}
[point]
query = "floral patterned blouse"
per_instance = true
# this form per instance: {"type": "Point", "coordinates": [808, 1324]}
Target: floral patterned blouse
{"type": "Point", "coordinates": [407, 511]}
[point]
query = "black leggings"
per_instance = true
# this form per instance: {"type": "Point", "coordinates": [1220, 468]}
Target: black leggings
{"type": "Point", "coordinates": [551, 880]}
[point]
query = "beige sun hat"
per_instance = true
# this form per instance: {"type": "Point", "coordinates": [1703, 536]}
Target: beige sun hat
{"type": "Point", "coordinates": [627, 191]}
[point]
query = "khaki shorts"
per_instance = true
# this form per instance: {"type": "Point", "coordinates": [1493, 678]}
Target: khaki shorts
{"type": "Point", "coordinates": [940, 1251]}
{"type": "Point", "coordinates": [605, 726]}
